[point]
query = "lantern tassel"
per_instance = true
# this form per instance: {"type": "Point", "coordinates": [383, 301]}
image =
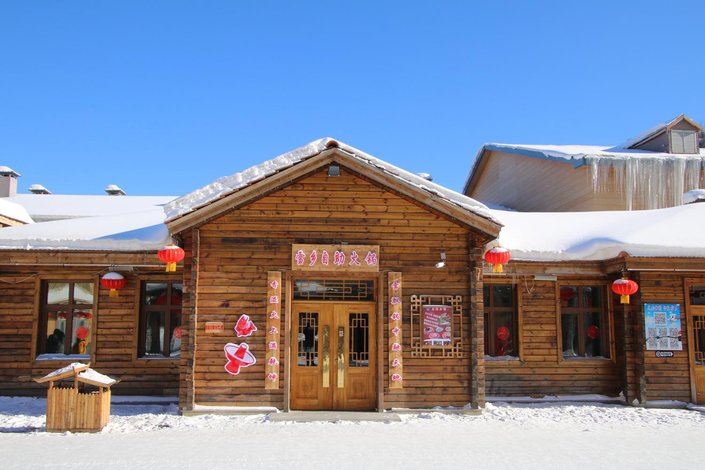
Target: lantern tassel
{"type": "Point", "coordinates": [624, 299]}
{"type": "Point", "coordinates": [497, 268]}
{"type": "Point", "coordinates": [171, 267]}
{"type": "Point", "coordinates": [113, 293]}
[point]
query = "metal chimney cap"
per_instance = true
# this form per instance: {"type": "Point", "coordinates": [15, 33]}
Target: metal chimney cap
{"type": "Point", "coordinates": [426, 176]}
{"type": "Point", "coordinates": [114, 190]}
{"type": "Point", "coordinates": [38, 189]}
{"type": "Point", "coordinates": [7, 171]}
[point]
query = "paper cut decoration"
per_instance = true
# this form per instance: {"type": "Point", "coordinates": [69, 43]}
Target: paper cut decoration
{"type": "Point", "coordinates": [244, 326]}
{"type": "Point", "coordinates": [238, 356]}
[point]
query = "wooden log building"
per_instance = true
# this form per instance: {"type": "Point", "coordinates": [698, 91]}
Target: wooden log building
{"type": "Point", "coordinates": [329, 279]}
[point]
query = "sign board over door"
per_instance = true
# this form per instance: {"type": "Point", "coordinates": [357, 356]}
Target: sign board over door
{"type": "Point", "coordinates": [335, 258]}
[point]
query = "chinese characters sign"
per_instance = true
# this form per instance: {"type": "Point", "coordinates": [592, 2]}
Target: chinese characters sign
{"type": "Point", "coordinates": [357, 258]}
{"type": "Point", "coordinates": [395, 332]}
{"type": "Point", "coordinates": [437, 325]}
{"type": "Point", "coordinates": [274, 305]}
{"type": "Point", "coordinates": [663, 327]}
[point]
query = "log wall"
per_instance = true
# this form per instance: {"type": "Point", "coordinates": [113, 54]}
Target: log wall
{"type": "Point", "coordinates": [541, 370]}
{"type": "Point", "coordinates": [115, 323]}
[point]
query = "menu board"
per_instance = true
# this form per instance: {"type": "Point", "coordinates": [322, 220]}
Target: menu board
{"type": "Point", "coordinates": [663, 327]}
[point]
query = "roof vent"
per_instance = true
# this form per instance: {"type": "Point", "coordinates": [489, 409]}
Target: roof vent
{"type": "Point", "coordinates": [114, 190]}
{"type": "Point", "coordinates": [426, 176]}
{"type": "Point", "coordinates": [38, 189]}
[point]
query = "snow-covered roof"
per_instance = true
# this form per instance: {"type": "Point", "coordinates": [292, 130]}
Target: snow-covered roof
{"type": "Point", "coordinates": [14, 211]}
{"type": "Point", "coordinates": [582, 236]}
{"type": "Point", "coordinates": [229, 184]}
{"type": "Point", "coordinates": [43, 207]}
{"type": "Point", "coordinates": [135, 231]}
{"type": "Point", "coordinates": [657, 129]}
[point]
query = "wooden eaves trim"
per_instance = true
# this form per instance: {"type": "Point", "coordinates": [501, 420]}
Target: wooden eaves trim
{"type": "Point", "coordinates": [299, 170]}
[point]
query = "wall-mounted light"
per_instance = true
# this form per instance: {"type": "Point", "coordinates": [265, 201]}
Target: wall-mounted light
{"type": "Point", "coordinates": [334, 169]}
{"type": "Point", "coordinates": [442, 262]}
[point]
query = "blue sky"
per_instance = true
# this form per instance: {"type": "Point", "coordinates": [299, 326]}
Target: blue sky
{"type": "Point", "coordinates": [163, 97]}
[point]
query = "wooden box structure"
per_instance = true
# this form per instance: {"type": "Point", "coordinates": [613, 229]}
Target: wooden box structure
{"type": "Point", "coordinates": [69, 408]}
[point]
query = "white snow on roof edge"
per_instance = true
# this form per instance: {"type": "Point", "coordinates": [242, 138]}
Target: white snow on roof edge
{"type": "Point", "coordinates": [229, 184]}
{"type": "Point", "coordinates": [14, 211]}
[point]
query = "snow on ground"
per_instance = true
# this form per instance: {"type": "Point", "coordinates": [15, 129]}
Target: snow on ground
{"type": "Point", "coordinates": [527, 436]}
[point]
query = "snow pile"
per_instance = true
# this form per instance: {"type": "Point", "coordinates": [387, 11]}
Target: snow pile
{"type": "Point", "coordinates": [229, 184]}
{"type": "Point", "coordinates": [14, 211]}
{"type": "Point", "coordinates": [563, 236]}
{"type": "Point", "coordinates": [135, 231]}
{"type": "Point", "coordinates": [694, 195]}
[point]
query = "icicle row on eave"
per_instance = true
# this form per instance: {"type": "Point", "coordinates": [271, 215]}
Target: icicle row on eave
{"type": "Point", "coordinates": [647, 183]}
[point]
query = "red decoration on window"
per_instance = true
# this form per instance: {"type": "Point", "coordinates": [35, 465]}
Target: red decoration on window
{"type": "Point", "coordinates": [171, 254]}
{"type": "Point", "coordinates": [593, 332]}
{"type": "Point", "coordinates": [82, 332]}
{"type": "Point", "coordinates": [177, 332]}
{"type": "Point", "coordinates": [497, 257]}
{"type": "Point", "coordinates": [624, 288]}
{"type": "Point", "coordinates": [113, 281]}
{"type": "Point", "coordinates": [503, 333]}
{"type": "Point", "coordinates": [567, 293]}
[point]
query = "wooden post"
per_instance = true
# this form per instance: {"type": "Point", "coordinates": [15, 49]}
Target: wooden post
{"type": "Point", "coordinates": [477, 328]}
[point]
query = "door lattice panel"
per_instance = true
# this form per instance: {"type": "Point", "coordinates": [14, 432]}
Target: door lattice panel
{"type": "Point", "coordinates": [359, 343]}
{"type": "Point", "coordinates": [699, 339]}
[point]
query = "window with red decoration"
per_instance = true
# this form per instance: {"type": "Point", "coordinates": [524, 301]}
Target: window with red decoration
{"type": "Point", "coordinates": [160, 319]}
{"type": "Point", "coordinates": [501, 320]}
{"type": "Point", "coordinates": [584, 323]}
{"type": "Point", "coordinates": [65, 319]}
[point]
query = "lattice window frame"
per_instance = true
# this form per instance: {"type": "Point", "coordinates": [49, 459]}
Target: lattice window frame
{"type": "Point", "coordinates": [418, 348]}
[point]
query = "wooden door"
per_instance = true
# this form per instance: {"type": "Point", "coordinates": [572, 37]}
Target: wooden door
{"type": "Point", "coordinates": [333, 356]}
{"type": "Point", "coordinates": [695, 304]}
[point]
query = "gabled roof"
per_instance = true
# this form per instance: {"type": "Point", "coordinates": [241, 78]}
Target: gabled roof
{"type": "Point", "coordinates": [14, 211]}
{"type": "Point", "coordinates": [246, 186]}
{"type": "Point", "coordinates": [636, 141]}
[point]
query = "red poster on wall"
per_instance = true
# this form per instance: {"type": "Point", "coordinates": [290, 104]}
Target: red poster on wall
{"type": "Point", "coordinates": [437, 325]}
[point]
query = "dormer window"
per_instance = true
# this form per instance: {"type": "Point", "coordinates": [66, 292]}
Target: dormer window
{"type": "Point", "coordinates": [683, 141]}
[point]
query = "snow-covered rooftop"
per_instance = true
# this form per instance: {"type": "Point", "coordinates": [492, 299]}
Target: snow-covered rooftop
{"type": "Point", "coordinates": [14, 211]}
{"type": "Point", "coordinates": [44, 207]}
{"type": "Point", "coordinates": [135, 231]}
{"type": "Point", "coordinates": [577, 236]}
{"type": "Point", "coordinates": [229, 184]}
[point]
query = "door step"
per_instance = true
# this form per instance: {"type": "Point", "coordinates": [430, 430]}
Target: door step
{"type": "Point", "coordinates": [334, 416]}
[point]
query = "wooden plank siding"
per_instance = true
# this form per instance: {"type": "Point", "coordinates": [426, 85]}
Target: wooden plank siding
{"type": "Point", "coordinates": [666, 378]}
{"type": "Point", "coordinates": [238, 248]}
{"type": "Point", "coordinates": [115, 322]}
{"type": "Point", "coordinates": [541, 370]}
{"type": "Point", "coordinates": [530, 184]}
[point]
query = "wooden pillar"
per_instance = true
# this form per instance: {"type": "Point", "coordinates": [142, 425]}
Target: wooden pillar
{"type": "Point", "coordinates": [477, 327]}
{"type": "Point", "coordinates": [633, 339]}
{"type": "Point", "coordinates": [189, 319]}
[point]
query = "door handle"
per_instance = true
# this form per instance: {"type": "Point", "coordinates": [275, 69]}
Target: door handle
{"type": "Point", "coordinates": [341, 358]}
{"type": "Point", "coordinates": [326, 356]}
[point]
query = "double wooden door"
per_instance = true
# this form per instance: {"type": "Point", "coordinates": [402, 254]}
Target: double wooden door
{"type": "Point", "coordinates": [333, 356]}
{"type": "Point", "coordinates": [696, 330]}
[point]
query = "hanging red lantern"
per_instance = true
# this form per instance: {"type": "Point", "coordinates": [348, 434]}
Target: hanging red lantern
{"type": "Point", "coordinates": [497, 257]}
{"type": "Point", "coordinates": [593, 331]}
{"type": "Point", "coordinates": [624, 288]}
{"type": "Point", "coordinates": [113, 281]}
{"type": "Point", "coordinates": [171, 254]}
{"type": "Point", "coordinates": [503, 333]}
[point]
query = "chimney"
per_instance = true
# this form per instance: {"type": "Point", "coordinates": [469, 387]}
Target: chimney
{"type": "Point", "coordinates": [8, 181]}
{"type": "Point", "coordinates": [38, 189]}
{"type": "Point", "coordinates": [426, 176]}
{"type": "Point", "coordinates": [114, 190]}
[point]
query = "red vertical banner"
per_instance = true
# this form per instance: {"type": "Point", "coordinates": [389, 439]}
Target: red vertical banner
{"type": "Point", "coordinates": [272, 346]}
{"type": "Point", "coordinates": [396, 376]}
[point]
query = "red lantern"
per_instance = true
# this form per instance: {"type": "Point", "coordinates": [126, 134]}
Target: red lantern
{"type": "Point", "coordinates": [171, 254]}
{"type": "Point", "coordinates": [503, 333]}
{"type": "Point", "coordinates": [113, 281]}
{"type": "Point", "coordinates": [593, 331]}
{"type": "Point", "coordinates": [497, 257]}
{"type": "Point", "coordinates": [624, 288]}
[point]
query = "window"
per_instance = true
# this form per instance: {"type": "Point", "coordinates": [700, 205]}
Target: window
{"type": "Point", "coordinates": [501, 321]}
{"type": "Point", "coordinates": [160, 319]}
{"type": "Point", "coordinates": [66, 318]}
{"type": "Point", "coordinates": [584, 325]}
{"type": "Point", "coordinates": [683, 141]}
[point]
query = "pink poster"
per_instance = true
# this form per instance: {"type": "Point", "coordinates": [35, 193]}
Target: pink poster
{"type": "Point", "coordinates": [437, 324]}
